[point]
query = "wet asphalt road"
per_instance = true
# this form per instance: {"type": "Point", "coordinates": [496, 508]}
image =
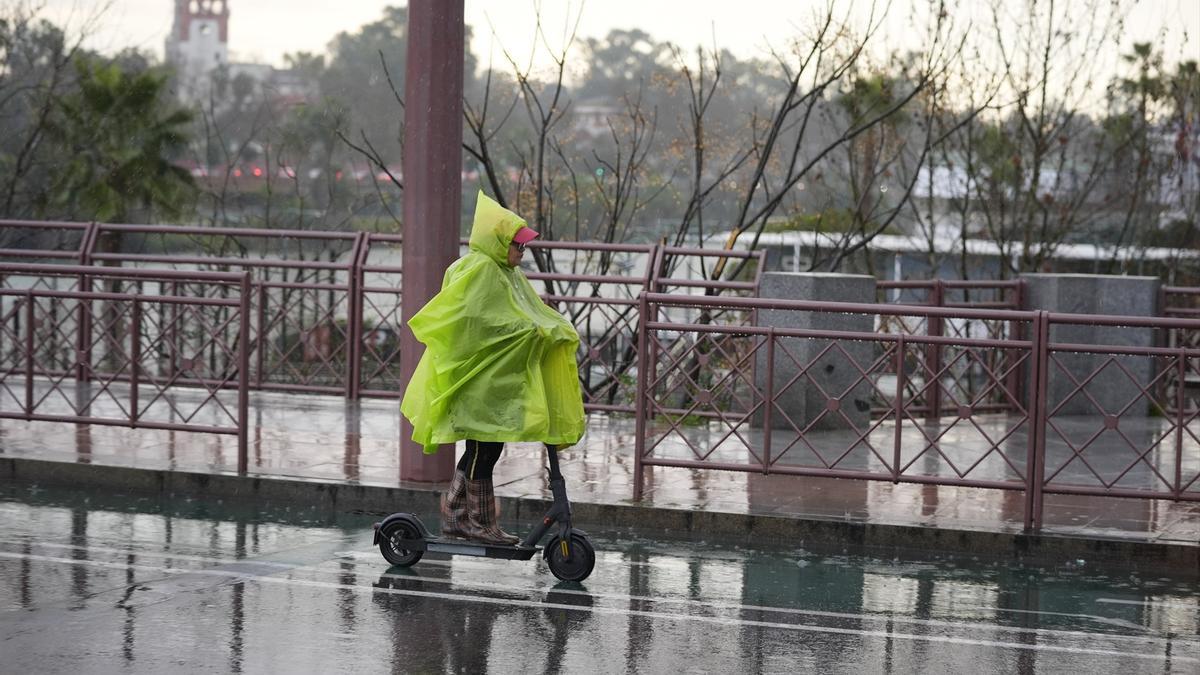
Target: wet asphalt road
{"type": "Point", "coordinates": [108, 584]}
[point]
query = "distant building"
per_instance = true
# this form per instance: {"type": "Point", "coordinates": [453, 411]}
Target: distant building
{"type": "Point", "coordinates": [198, 45]}
{"type": "Point", "coordinates": [590, 117]}
{"type": "Point", "coordinates": [198, 49]}
{"type": "Point", "coordinates": [898, 257]}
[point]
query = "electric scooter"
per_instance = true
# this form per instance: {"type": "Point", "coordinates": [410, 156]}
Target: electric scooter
{"type": "Point", "coordinates": [403, 539]}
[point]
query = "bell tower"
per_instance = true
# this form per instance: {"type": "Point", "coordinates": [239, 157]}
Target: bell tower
{"type": "Point", "coordinates": [198, 43]}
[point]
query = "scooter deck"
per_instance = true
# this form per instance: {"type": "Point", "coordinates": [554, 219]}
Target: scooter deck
{"type": "Point", "coordinates": [468, 547]}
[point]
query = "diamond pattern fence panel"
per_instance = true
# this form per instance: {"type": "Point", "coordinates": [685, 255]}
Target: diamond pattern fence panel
{"type": "Point", "coordinates": [1182, 385]}
{"type": "Point", "coordinates": [1111, 427]}
{"type": "Point", "coordinates": [967, 377]}
{"type": "Point", "coordinates": [806, 409]}
{"type": "Point", "coordinates": [114, 355]}
{"type": "Point", "coordinates": [326, 305]}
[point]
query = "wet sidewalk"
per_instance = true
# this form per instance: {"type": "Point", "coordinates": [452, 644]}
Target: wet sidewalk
{"type": "Point", "coordinates": [327, 439]}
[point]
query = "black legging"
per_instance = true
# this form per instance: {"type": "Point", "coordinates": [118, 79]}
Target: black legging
{"type": "Point", "coordinates": [479, 459]}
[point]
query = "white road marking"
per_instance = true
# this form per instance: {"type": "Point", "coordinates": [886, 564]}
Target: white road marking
{"type": "Point", "coordinates": [1142, 603]}
{"type": "Point", "coordinates": [617, 611]}
{"type": "Point", "coordinates": [1120, 623]}
{"type": "Point", "coordinates": [164, 554]}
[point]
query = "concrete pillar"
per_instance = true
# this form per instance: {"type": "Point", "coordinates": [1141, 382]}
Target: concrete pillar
{"type": "Point", "coordinates": [1096, 294]}
{"type": "Point", "coordinates": [803, 402]}
{"type": "Point", "coordinates": [432, 164]}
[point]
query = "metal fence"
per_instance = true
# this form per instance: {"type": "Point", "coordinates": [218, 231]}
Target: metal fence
{"type": "Point", "coordinates": [1181, 387]}
{"type": "Point", "coordinates": [1091, 420]}
{"type": "Point", "coordinates": [947, 382]}
{"type": "Point", "coordinates": [325, 306]}
{"type": "Point", "coordinates": [961, 378]}
{"type": "Point", "coordinates": [108, 346]}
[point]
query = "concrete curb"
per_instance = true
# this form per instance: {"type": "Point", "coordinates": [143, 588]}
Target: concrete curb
{"type": "Point", "coordinates": [1176, 559]}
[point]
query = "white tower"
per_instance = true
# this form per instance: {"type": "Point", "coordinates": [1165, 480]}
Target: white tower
{"type": "Point", "coordinates": [198, 44]}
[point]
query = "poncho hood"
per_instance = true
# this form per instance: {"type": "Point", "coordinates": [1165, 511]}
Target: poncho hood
{"type": "Point", "coordinates": [494, 228]}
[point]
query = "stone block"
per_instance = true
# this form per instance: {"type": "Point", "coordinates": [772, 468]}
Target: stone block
{"type": "Point", "coordinates": [1112, 390]}
{"type": "Point", "coordinates": [830, 381]}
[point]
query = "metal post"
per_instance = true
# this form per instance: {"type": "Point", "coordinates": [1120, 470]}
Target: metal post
{"type": "Point", "coordinates": [933, 353]}
{"type": "Point", "coordinates": [1035, 417]}
{"type": "Point", "coordinates": [83, 309]}
{"type": "Point", "coordinates": [29, 342]}
{"type": "Point", "coordinates": [261, 335]}
{"type": "Point", "coordinates": [1016, 332]}
{"type": "Point", "coordinates": [173, 333]}
{"type": "Point", "coordinates": [768, 399]}
{"type": "Point", "coordinates": [898, 407]}
{"type": "Point", "coordinates": [651, 274]}
{"type": "Point", "coordinates": [1044, 405]}
{"type": "Point", "coordinates": [1180, 402]}
{"type": "Point", "coordinates": [354, 318]}
{"type": "Point", "coordinates": [656, 262]}
{"type": "Point", "coordinates": [83, 351]}
{"type": "Point", "coordinates": [432, 190]}
{"type": "Point", "coordinates": [87, 243]}
{"type": "Point", "coordinates": [52, 339]}
{"type": "Point", "coordinates": [243, 355]}
{"type": "Point", "coordinates": [1161, 340]}
{"type": "Point", "coordinates": [640, 397]}
{"type": "Point", "coordinates": [87, 247]}
{"type": "Point", "coordinates": [135, 358]}
{"type": "Point", "coordinates": [1036, 455]}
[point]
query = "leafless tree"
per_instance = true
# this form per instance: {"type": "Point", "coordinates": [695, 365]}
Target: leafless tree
{"type": "Point", "coordinates": [795, 141]}
{"type": "Point", "coordinates": [36, 60]}
{"type": "Point", "coordinates": [1035, 168]}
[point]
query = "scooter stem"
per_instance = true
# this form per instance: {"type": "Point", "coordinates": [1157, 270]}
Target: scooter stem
{"type": "Point", "coordinates": [555, 474]}
{"type": "Point", "coordinates": [560, 509]}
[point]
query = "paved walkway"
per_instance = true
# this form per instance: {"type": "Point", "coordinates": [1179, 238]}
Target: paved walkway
{"type": "Point", "coordinates": [319, 437]}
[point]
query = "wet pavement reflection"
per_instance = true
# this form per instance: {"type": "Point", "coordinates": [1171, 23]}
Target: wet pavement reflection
{"type": "Point", "coordinates": [106, 583]}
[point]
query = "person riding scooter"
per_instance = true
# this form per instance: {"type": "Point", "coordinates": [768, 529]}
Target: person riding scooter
{"type": "Point", "coordinates": [499, 366]}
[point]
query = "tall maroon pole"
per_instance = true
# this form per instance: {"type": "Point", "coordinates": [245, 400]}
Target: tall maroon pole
{"type": "Point", "coordinates": [433, 88]}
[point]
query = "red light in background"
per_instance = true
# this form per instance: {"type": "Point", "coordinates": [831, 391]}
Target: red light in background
{"type": "Point", "coordinates": [257, 172]}
{"type": "Point", "coordinates": [237, 173]}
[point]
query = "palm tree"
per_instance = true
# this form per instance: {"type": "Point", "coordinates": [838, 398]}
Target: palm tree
{"type": "Point", "coordinates": [118, 131]}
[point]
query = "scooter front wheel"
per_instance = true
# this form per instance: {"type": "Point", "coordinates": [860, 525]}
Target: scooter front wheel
{"type": "Point", "coordinates": [392, 552]}
{"type": "Point", "coordinates": [579, 565]}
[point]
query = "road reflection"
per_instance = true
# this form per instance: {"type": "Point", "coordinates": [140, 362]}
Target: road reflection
{"type": "Point", "coordinates": [107, 583]}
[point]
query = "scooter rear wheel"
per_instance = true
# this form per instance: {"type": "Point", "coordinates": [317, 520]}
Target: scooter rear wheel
{"type": "Point", "coordinates": [395, 555]}
{"type": "Point", "coordinates": [581, 562]}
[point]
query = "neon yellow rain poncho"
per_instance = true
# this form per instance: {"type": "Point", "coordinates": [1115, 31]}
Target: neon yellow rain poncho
{"type": "Point", "coordinates": [499, 365]}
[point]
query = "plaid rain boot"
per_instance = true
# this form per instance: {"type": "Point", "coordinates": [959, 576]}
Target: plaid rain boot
{"type": "Point", "coordinates": [481, 515]}
{"type": "Point", "coordinates": [454, 507]}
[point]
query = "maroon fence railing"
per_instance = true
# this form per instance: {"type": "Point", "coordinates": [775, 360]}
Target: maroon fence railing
{"type": "Point", "coordinates": [1090, 423]}
{"type": "Point", "coordinates": [1181, 387]}
{"type": "Point", "coordinates": [950, 384]}
{"type": "Point", "coordinates": [1097, 395]}
{"type": "Point", "coordinates": [325, 306]}
{"type": "Point", "coordinates": [964, 381]}
{"type": "Point", "coordinates": [107, 346]}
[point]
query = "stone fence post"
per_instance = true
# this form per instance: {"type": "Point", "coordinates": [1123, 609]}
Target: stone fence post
{"type": "Point", "coordinates": [804, 401]}
{"type": "Point", "coordinates": [1112, 389]}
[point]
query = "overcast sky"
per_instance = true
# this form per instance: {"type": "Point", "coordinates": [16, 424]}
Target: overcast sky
{"type": "Point", "coordinates": [265, 30]}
